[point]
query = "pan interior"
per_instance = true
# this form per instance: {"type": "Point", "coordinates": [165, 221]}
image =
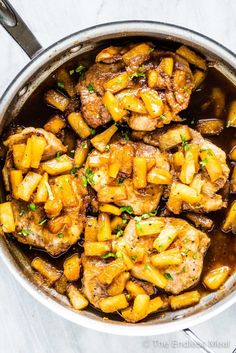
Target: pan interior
{"type": "Point", "coordinates": [18, 111]}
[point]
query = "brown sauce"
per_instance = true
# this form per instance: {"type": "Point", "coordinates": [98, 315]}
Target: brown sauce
{"type": "Point", "coordinates": [223, 246]}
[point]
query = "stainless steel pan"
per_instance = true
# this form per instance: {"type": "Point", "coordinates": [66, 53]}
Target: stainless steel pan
{"type": "Point", "coordinates": [42, 64]}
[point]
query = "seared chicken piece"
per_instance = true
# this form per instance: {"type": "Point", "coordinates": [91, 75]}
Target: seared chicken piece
{"type": "Point", "coordinates": [53, 144]}
{"type": "Point", "coordinates": [91, 90]}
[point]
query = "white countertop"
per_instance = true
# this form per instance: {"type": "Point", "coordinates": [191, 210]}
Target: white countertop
{"type": "Point", "coordinates": [25, 325]}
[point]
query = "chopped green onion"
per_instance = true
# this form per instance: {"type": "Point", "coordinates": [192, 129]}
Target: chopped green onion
{"type": "Point", "coordinates": [90, 88]}
{"type": "Point", "coordinates": [60, 85]}
{"type": "Point", "coordinates": [127, 209]}
{"type": "Point", "coordinates": [25, 232]}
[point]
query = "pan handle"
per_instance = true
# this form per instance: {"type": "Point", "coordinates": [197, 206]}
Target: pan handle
{"type": "Point", "coordinates": [193, 337]}
{"type": "Point", "coordinates": [19, 31]}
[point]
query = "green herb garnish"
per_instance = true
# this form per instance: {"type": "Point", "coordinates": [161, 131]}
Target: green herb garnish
{"type": "Point", "coordinates": [127, 209]}
{"type": "Point", "coordinates": [125, 135]}
{"type": "Point", "coordinates": [42, 221]}
{"type": "Point", "coordinates": [60, 85]}
{"type": "Point", "coordinates": [228, 124]}
{"type": "Point", "coordinates": [119, 233]}
{"type": "Point", "coordinates": [203, 162]}
{"type": "Point", "coordinates": [92, 131]}
{"type": "Point", "coordinates": [84, 181]}
{"type": "Point", "coordinates": [145, 216]}
{"type": "Point", "coordinates": [162, 116]}
{"type": "Point", "coordinates": [168, 276]}
{"type": "Point", "coordinates": [133, 257]}
{"type": "Point", "coordinates": [32, 207]}
{"type": "Point", "coordinates": [107, 148]}
{"type": "Point", "coordinates": [185, 144]}
{"type": "Point", "coordinates": [120, 180]}
{"type": "Point", "coordinates": [108, 255]}
{"type": "Point", "coordinates": [84, 144]}
{"type": "Point", "coordinates": [60, 235]}
{"type": "Point", "coordinates": [208, 151]}
{"type": "Point", "coordinates": [89, 175]}
{"type": "Point", "coordinates": [25, 232]}
{"type": "Point", "coordinates": [21, 212]}
{"type": "Point", "coordinates": [74, 170]}
{"type": "Point", "coordinates": [90, 88]}
{"type": "Point", "coordinates": [58, 156]}
{"type": "Point", "coordinates": [79, 69]}
{"type": "Point", "coordinates": [137, 74]}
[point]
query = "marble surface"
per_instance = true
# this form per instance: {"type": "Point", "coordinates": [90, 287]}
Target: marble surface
{"type": "Point", "coordinates": [25, 325]}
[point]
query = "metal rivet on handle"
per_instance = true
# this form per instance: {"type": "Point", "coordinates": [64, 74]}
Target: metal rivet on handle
{"type": "Point", "coordinates": [23, 91]}
{"type": "Point", "coordinates": [75, 49]}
